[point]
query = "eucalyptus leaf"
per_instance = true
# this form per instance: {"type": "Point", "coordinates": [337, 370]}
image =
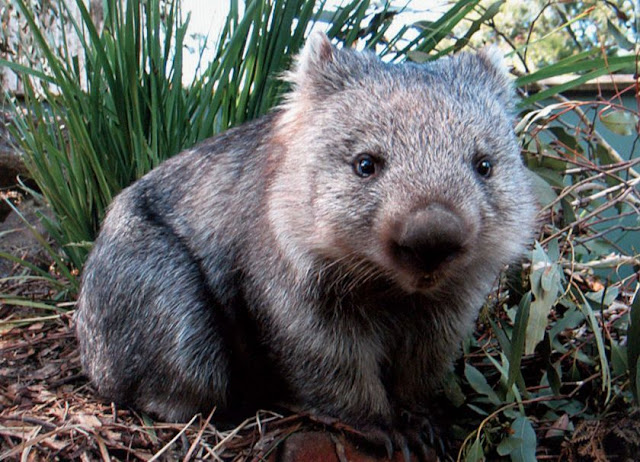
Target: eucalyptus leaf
{"type": "Point", "coordinates": [543, 190]}
{"type": "Point", "coordinates": [621, 122]}
{"type": "Point", "coordinates": [546, 285]}
{"type": "Point", "coordinates": [477, 409]}
{"type": "Point", "coordinates": [508, 445]}
{"type": "Point", "coordinates": [610, 294]}
{"type": "Point", "coordinates": [605, 371]}
{"type": "Point", "coordinates": [479, 383]}
{"type": "Point", "coordinates": [619, 363]}
{"type": "Point", "coordinates": [522, 442]}
{"type": "Point", "coordinates": [502, 337]}
{"type": "Point", "coordinates": [453, 391]}
{"type": "Point", "coordinates": [603, 154]}
{"type": "Point", "coordinates": [511, 413]}
{"type": "Point", "coordinates": [568, 213]}
{"type": "Point", "coordinates": [518, 339]}
{"type": "Point", "coordinates": [569, 140]}
{"type": "Point", "coordinates": [554, 374]}
{"type": "Point", "coordinates": [552, 177]}
{"type": "Point", "coordinates": [475, 452]}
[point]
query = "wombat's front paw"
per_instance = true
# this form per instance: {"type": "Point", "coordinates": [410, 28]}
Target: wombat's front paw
{"type": "Point", "coordinates": [402, 444]}
{"type": "Point", "coordinates": [422, 434]}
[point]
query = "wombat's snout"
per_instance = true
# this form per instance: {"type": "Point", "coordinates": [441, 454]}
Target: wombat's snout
{"type": "Point", "coordinates": [428, 238]}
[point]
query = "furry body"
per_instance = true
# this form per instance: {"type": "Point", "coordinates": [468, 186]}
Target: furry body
{"type": "Point", "coordinates": [330, 256]}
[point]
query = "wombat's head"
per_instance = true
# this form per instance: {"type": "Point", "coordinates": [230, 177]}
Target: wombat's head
{"type": "Point", "coordinates": [410, 171]}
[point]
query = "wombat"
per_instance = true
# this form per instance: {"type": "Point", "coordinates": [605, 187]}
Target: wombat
{"type": "Point", "coordinates": [329, 256]}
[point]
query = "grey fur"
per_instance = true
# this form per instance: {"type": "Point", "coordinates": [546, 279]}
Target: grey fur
{"type": "Point", "coordinates": [259, 268]}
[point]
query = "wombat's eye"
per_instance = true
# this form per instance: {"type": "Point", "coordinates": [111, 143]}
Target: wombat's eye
{"type": "Point", "coordinates": [484, 167]}
{"type": "Point", "coordinates": [365, 165]}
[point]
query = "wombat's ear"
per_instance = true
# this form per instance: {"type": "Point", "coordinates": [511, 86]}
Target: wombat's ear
{"type": "Point", "coordinates": [314, 73]}
{"type": "Point", "coordinates": [500, 81]}
{"type": "Point", "coordinates": [316, 54]}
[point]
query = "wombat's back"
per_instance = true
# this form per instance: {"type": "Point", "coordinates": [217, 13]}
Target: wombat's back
{"type": "Point", "coordinates": [160, 305]}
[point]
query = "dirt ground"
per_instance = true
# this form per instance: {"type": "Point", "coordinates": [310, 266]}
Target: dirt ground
{"type": "Point", "coordinates": [48, 410]}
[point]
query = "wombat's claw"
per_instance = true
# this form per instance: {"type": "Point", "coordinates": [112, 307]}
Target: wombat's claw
{"type": "Point", "coordinates": [379, 437]}
{"type": "Point", "coordinates": [435, 440]}
{"type": "Point", "coordinates": [406, 454]}
{"type": "Point", "coordinates": [404, 447]}
{"type": "Point", "coordinates": [422, 435]}
{"type": "Point", "coordinates": [428, 429]}
{"type": "Point", "coordinates": [388, 445]}
{"type": "Point", "coordinates": [393, 441]}
{"type": "Point", "coordinates": [414, 439]}
{"type": "Point", "coordinates": [406, 443]}
{"type": "Point", "coordinates": [371, 435]}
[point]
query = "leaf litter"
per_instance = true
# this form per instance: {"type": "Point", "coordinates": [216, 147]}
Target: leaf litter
{"type": "Point", "coordinates": [49, 411]}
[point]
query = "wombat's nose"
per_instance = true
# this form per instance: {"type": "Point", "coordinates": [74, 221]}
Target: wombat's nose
{"type": "Point", "coordinates": [429, 238]}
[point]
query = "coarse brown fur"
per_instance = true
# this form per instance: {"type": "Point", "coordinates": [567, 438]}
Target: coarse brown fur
{"type": "Point", "coordinates": [330, 256]}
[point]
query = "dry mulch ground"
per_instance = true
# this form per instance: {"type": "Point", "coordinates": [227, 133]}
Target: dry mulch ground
{"type": "Point", "coordinates": [48, 410]}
